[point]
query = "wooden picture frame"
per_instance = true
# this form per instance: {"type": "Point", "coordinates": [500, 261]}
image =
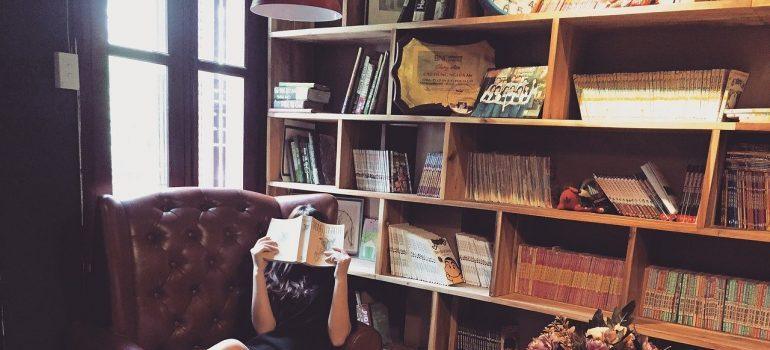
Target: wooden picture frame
{"type": "Point", "coordinates": [351, 214]}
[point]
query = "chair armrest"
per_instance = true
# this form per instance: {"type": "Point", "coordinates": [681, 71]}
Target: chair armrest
{"type": "Point", "coordinates": [363, 337]}
{"type": "Point", "coordinates": [86, 337]}
{"type": "Point", "coordinates": [323, 202]}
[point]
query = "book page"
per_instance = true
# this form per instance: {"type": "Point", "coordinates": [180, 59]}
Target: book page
{"type": "Point", "coordinates": [287, 233]}
{"type": "Point", "coordinates": [322, 237]}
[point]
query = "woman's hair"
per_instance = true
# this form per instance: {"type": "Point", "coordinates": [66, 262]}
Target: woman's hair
{"type": "Point", "coordinates": [277, 283]}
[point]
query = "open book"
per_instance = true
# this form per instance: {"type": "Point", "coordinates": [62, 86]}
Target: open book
{"type": "Point", "coordinates": [304, 239]}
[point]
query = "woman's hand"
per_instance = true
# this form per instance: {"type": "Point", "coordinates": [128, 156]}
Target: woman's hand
{"type": "Point", "coordinates": [341, 259]}
{"type": "Point", "coordinates": [264, 247]}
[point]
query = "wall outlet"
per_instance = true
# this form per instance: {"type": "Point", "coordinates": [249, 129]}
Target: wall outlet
{"type": "Point", "coordinates": [67, 75]}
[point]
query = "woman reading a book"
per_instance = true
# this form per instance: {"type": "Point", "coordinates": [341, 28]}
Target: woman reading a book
{"type": "Point", "coordinates": [295, 306]}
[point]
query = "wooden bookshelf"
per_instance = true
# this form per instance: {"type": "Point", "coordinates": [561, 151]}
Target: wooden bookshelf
{"type": "Point", "coordinates": [699, 35]}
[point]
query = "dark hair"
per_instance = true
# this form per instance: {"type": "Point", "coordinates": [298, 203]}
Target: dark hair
{"type": "Point", "coordinates": [276, 279]}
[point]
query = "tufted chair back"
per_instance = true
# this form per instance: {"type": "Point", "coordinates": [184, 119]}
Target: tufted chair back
{"type": "Point", "coordinates": [179, 264]}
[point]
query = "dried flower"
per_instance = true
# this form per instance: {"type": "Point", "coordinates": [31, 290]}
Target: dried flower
{"type": "Point", "coordinates": [597, 333]}
{"type": "Point", "coordinates": [594, 344]}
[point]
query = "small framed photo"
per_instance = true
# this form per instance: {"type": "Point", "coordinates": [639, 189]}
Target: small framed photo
{"type": "Point", "coordinates": [384, 11]}
{"type": "Point", "coordinates": [351, 214]}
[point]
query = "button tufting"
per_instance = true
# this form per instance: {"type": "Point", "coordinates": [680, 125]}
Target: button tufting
{"type": "Point", "coordinates": [216, 320]}
{"type": "Point", "coordinates": [194, 290]}
{"type": "Point", "coordinates": [191, 234]}
{"type": "Point", "coordinates": [173, 264]}
{"type": "Point", "coordinates": [211, 262]}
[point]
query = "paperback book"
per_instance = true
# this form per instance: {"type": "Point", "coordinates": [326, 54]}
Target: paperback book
{"type": "Point", "coordinates": [365, 85]}
{"type": "Point", "coordinates": [305, 239]}
{"type": "Point", "coordinates": [309, 157]}
{"type": "Point", "coordinates": [745, 197]}
{"type": "Point", "coordinates": [509, 179]}
{"type": "Point", "coordinates": [382, 171]}
{"type": "Point", "coordinates": [430, 181]}
{"type": "Point", "coordinates": [475, 259]}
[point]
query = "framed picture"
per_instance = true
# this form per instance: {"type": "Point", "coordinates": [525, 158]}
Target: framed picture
{"type": "Point", "coordinates": [351, 214]}
{"type": "Point", "coordinates": [384, 11]}
{"type": "Point", "coordinates": [291, 131]}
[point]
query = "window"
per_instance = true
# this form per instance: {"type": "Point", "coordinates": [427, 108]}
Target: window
{"type": "Point", "coordinates": [154, 82]}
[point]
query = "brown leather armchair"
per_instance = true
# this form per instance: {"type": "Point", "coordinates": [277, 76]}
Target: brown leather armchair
{"type": "Point", "coordinates": [180, 271]}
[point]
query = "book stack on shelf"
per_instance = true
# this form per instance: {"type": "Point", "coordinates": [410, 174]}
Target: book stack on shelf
{"type": "Point", "coordinates": [575, 278]}
{"type": "Point", "coordinates": [746, 187]}
{"type": "Point", "coordinates": [422, 255]}
{"type": "Point", "coordinates": [475, 259]}
{"type": "Point", "coordinates": [732, 305]}
{"type": "Point", "coordinates": [382, 171]}
{"type": "Point", "coordinates": [310, 157]}
{"type": "Point", "coordinates": [646, 195]}
{"type": "Point", "coordinates": [430, 181]}
{"type": "Point", "coordinates": [691, 194]}
{"type": "Point", "coordinates": [526, 181]}
{"type": "Point", "coordinates": [300, 97]}
{"type": "Point", "coordinates": [698, 95]}
{"type": "Point", "coordinates": [366, 84]}
{"type": "Point", "coordinates": [484, 328]}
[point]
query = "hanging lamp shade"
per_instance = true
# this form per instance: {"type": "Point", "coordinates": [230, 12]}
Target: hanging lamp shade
{"type": "Point", "coordinates": [298, 10]}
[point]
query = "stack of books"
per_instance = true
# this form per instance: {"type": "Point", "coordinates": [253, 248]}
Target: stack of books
{"type": "Point", "coordinates": [311, 158]}
{"type": "Point", "coordinates": [700, 95]}
{"type": "Point", "coordinates": [382, 171]}
{"type": "Point", "coordinates": [691, 193]}
{"type": "Point", "coordinates": [300, 97]}
{"type": "Point", "coordinates": [475, 259]}
{"type": "Point", "coordinates": [481, 327]}
{"type": "Point", "coordinates": [430, 181]}
{"type": "Point", "coordinates": [746, 187]}
{"type": "Point", "coordinates": [646, 195]}
{"type": "Point", "coordinates": [575, 278]}
{"type": "Point", "coordinates": [720, 303]}
{"type": "Point", "coordinates": [526, 180]}
{"type": "Point", "coordinates": [422, 255]}
{"type": "Point", "coordinates": [366, 84]}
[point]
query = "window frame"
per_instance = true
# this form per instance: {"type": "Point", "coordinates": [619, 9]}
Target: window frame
{"type": "Point", "coordinates": [183, 66]}
{"type": "Point", "coordinates": [89, 23]}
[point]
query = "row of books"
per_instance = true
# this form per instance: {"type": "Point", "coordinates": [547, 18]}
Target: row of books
{"type": "Point", "coordinates": [509, 178]}
{"type": "Point", "coordinates": [748, 115]}
{"type": "Point", "coordinates": [746, 187]}
{"type": "Point", "coordinates": [310, 158]}
{"type": "Point", "coordinates": [421, 255]}
{"type": "Point", "coordinates": [475, 259]}
{"type": "Point", "coordinates": [471, 337]}
{"type": "Point", "coordinates": [698, 95]}
{"type": "Point", "coordinates": [733, 305]}
{"type": "Point", "coordinates": [430, 181]}
{"type": "Point", "coordinates": [691, 193]}
{"type": "Point", "coordinates": [300, 97]}
{"type": "Point", "coordinates": [575, 278]}
{"type": "Point", "coordinates": [645, 195]}
{"type": "Point", "coordinates": [366, 84]}
{"type": "Point", "coordinates": [382, 171]}
{"type": "Point", "coordinates": [572, 5]}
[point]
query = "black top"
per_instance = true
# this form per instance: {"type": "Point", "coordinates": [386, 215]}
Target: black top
{"type": "Point", "coordinates": [300, 323]}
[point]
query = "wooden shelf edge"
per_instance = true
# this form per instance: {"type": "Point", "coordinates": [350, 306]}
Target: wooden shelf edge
{"type": "Point", "coordinates": [700, 11]}
{"type": "Point", "coordinates": [615, 220]}
{"type": "Point", "coordinates": [705, 126]}
{"type": "Point", "coordinates": [696, 336]}
{"type": "Point", "coordinates": [748, 235]}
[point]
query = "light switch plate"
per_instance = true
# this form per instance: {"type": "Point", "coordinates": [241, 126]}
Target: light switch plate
{"type": "Point", "coordinates": [67, 75]}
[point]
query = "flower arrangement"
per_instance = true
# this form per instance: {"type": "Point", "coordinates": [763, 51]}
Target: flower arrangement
{"type": "Point", "coordinates": [613, 333]}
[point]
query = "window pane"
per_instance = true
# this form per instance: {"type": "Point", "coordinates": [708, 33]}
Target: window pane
{"type": "Point", "coordinates": [221, 31]}
{"type": "Point", "coordinates": [220, 130]}
{"type": "Point", "coordinates": [137, 24]}
{"type": "Point", "coordinates": [138, 126]}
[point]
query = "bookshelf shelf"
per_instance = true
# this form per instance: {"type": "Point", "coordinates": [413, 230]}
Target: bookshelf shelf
{"type": "Point", "coordinates": [728, 12]}
{"type": "Point", "coordinates": [514, 209]}
{"type": "Point", "coordinates": [699, 35]}
{"type": "Point", "coordinates": [696, 336]}
{"type": "Point", "coordinates": [557, 123]}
